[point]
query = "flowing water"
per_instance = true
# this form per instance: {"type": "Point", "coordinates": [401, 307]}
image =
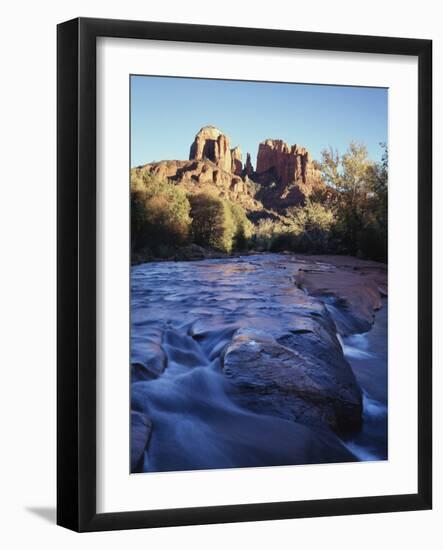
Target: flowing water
{"type": "Point", "coordinates": [368, 356]}
{"type": "Point", "coordinates": [183, 315]}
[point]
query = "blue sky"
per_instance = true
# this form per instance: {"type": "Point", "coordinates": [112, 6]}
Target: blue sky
{"type": "Point", "coordinates": [166, 113]}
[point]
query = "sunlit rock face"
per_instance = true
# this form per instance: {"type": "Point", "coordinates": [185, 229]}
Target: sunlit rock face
{"type": "Point", "coordinates": [288, 163]}
{"type": "Point", "coordinates": [211, 144]}
{"type": "Point", "coordinates": [236, 165]}
{"type": "Point", "coordinates": [286, 174]}
{"type": "Point", "coordinates": [212, 167]}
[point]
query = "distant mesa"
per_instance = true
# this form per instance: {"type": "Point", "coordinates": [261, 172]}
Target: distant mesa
{"type": "Point", "coordinates": [285, 173]}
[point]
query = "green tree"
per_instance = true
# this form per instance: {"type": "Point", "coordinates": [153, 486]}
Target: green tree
{"type": "Point", "coordinates": [159, 213]}
{"type": "Point", "coordinates": [310, 226]}
{"type": "Point", "coordinates": [212, 222]}
{"type": "Point", "coordinates": [359, 199]}
{"type": "Point", "coordinates": [374, 233]}
{"type": "Point", "coordinates": [266, 231]}
{"type": "Point", "coordinates": [242, 226]}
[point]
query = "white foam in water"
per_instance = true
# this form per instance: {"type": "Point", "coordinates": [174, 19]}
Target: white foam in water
{"type": "Point", "coordinates": [340, 339]}
{"type": "Point", "coordinates": [360, 341]}
{"type": "Point", "coordinates": [360, 452]}
{"type": "Point", "coordinates": [356, 351]}
{"type": "Point", "coordinates": [371, 407]}
{"type": "Point", "coordinates": [339, 317]}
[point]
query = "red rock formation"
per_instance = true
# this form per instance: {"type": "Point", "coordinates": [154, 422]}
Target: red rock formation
{"type": "Point", "coordinates": [289, 164]}
{"type": "Point", "coordinates": [291, 171]}
{"type": "Point", "coordinates": [201, 175]}
{"type": "Point", "coordinates": [249, 169]}
{"type": "Point", "coordinates": [213, 165]}
{"type": "Point", "coordinates": [211, 144]}
{"type": "Point", "coordinates": [236, 163]}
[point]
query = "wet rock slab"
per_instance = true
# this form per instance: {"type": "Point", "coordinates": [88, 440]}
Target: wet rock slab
{"type": "Point", "coordinates": [301, 376]}
{"type": "Point", "coordinates": [354, 286]}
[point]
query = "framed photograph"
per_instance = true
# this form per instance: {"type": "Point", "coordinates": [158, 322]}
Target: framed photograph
{"type": "Point", "coordinates": [244, 274]}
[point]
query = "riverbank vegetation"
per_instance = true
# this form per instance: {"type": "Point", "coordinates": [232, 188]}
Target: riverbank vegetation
{"type": "Point", "coordinates": [348, 216]}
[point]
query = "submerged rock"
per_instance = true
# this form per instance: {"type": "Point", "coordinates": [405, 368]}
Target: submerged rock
{"type": "Point", "coordinates": [300, 376]}
{"type": "Point", "coordinates": [141, 429]}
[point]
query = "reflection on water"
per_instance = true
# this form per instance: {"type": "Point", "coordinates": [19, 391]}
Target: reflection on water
{"type": "Point", "coordinates": [183, 315]}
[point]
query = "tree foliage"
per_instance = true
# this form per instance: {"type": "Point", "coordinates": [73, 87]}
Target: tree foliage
{"type": "Point", "coordinates": [159, 214]}
{"type": "Point", "coordinates": [243, 228]}
{"type": "Point", "coordinates": [212, 222]}
{"type": "Point", "coordinates": [266, 231]}
{"type": "Point", "coordinates": [358, 199]}
{"type": "Point", "coordinates": [164, 217]}
{"type": "Point", "coordinates": [347, 215]}
{"type": "Point", "coordinates": [311, 225]}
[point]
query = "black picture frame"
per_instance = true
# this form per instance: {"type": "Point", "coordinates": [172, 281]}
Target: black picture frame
{"type": "Point", "coordinates": [76, 266]}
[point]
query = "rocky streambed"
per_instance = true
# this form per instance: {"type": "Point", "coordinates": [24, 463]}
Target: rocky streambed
{"type": "Point", "coordinates": [260, 360]}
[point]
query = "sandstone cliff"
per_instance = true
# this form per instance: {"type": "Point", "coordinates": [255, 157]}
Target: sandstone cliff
{"type": "Point", "coordinates": [286, 174]}
{"type": "Point", "coordinates": [249, 169]}
{"type": "Point", "coordinates": [212, 145]}
{"type": "Point", "coordinates": [236, 164]}
{"type": "Point", "coordinates": [286, 163]}
{"type": "Point", "coordinates": [201, 176]}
